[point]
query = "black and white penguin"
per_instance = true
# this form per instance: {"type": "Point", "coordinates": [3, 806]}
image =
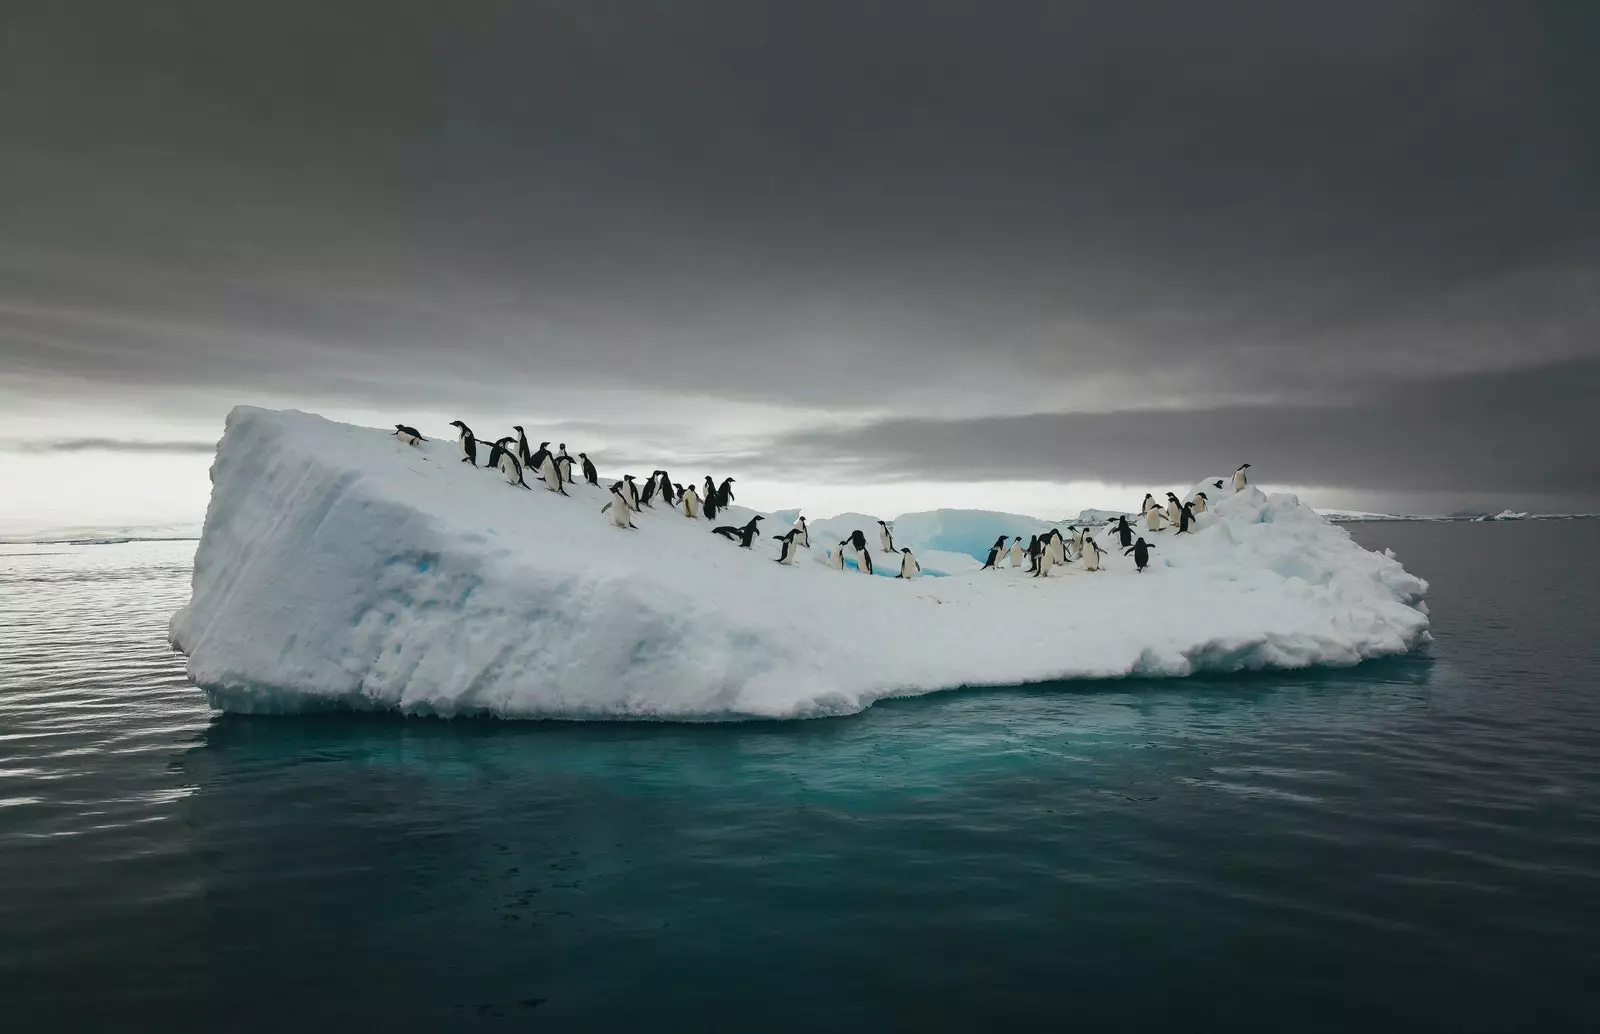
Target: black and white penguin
{"type": "Point", "coordinates": [649, 491]}
{"type": "Point", "coordinates": [1144, 507]}
{"type": "Point", "coordinates": [631, 490]}
{"type": "Point", "coordinates": [858, 542]}
{"type": "Point", "coordinates": [886, 537]}
{"type": "Point", "coordinates": [469, 444]}
{"type": "Point", "coordinates": [790, 550]}
{"type": "Point", "coordinates": [495, 449]}
{"type": "Point", "coordinates": [409, 435]}
{"type": "Point", "coordinates": [511, 467]}
{"type": "Point", "coordinates": [909, 568]}
{"type": "Point", "coordinates": [744, 536]}
{"type": "Point", "coordinates": [1186, 519]}
{"type": "Point", "coordinates": [1218, 483]}
{"type": "Point", "coordinates": [523, 452]}
{"type": "Point", "coordinates": [1057, 547]}
{"type": "Point", "coordinates": [1239, 478]}
{"type": "Point", "coordinates": [725, 494]}
{"type": "Point", "coordinates": [1199, 503]}
{"type": "Point", "coordinates": [1016, 552]}
{"type": "Point", "coordinates": [836, 558]}
{"type": "Point", "coordinates": [589, 473]}
{"type": "Point", "coordinates": [710, 494]}
{"type": "Point", "coordinates": [993, 559]}
{"type": "Point", "coordinates": [1046, 558]}
{"type": "Point", "coordinates": [536, 461]}
{"type": "Point", "coordinates": [1153, 515]}
{"type": "Point", "coordinates": [564, 464]}
{"type": "Point", "coordinates": [690, 501]}
{"type": "Point", "coordinates": [1091, 554]}
{"type": "Point", "coordinates": [804, 538]}
{"type": "Point", "coordinates": [1122, 530]}
{"type": "Point", "coordinates": [621, 515]}
{"type": "Point", "coordinates": [548, 470]}
{"type": "Point", "coordinates": [667, 491]}
{"type": "Point", "coordinates": [1032, 553]}
{"type": "Point", "coordinates": [1173, 507]}
{"type": "Point", "coordinates": [1077, 540]}
{"type": "Point", "coordinates": [1141, 555]}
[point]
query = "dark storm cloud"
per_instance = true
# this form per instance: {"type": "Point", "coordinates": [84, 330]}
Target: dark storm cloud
{"type": "Point", "coordinates": [1171, 204]}
{"type": "Point", "coordinates": [1526, 431]}
{"type": "Point", "coordinates": [104, 445]}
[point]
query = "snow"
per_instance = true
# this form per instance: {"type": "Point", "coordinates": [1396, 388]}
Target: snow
{"type": "Point", "coordinates": [1505, 515]}
{"type": "Point", "coordinates": [340, 568]}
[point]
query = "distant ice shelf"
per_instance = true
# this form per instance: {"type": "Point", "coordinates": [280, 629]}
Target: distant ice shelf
{"type": "Point", "coordinates": [341, 568]}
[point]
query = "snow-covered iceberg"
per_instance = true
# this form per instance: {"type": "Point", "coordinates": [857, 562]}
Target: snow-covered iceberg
{"type": "Point", "coordinates": [340, 567]}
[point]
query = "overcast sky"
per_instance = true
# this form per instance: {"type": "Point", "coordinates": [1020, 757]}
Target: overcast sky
{"type": "Point", "coordinates": [884, 255]}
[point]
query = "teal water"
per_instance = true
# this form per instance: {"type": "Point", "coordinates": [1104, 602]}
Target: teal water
{"type": "Point", "coordinates": [1411, 844]}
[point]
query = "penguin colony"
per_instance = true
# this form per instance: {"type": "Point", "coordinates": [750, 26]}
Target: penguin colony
{"type": "Point", "coordinates": [512, 458]}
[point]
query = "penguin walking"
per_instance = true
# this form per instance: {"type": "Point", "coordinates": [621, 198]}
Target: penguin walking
{"type": "Point", "coordinates": [1173, 506]}
{"type": "Point", "coordinates": [523, 452]}
{"type": "Point", "coordinates": [1032, 554]}
{"type": "Point", "coordinates": [667, 492]}
{"type": "Point", "coordinates": [804, 538]}
{"type": "Point", "coordinates": [1141, 555]}
{"type": "Point", "coordinates": [536, 461]}
{"type": "Point", "coordinates": [1057, 547]}
{"type": "Point", "coordinates": [590, 475]}
{"type": "Point", "coordinates": [469, 444]}
{"type": "Point", "coordinates": [909, 568]}
{"type": "Point", "coordinates": [495, 449]}
{"type": "Point", "coordinates": [409, 435]}
{"type": "Point", "coordinates": [1149, 500]}
{"type": "Point", "coordinates": [993, 559]}
{"type": "Point", "coordinates": [1199, 503]}
{"type": "Point", "coordinates": [1046, 559]}
{"type": "Point", "coordinates": [744, 536]}
{"type": "Point", "coordinates": [549, 471]}
{"type": "Point", "coordinates": [790, 550]}
{"type": "Point", "coordinates": [649, 491]}
{"type": "Point", "coordinates": [1016, 552]}
{"type": "Point", "coordinates": [621, 516]}
{"type": "Point", "coordinates": [886, 537]}
{"type": "Point", "coordinates": [512, 468]}
{"type": "Point", "coordinates": [564, 464]}
{"type": "Point", "coordinates": [631, 490]}
{"type": "Point", "coordinates": [1186, 519]}
{"type": "Point", "coordinates": [725, 494]}
{"type": "Point", "coordinates": [1239, 478]}
{"type": "Point", "coordinates": [1091, 554]}
{"type": "Point", "coordinates": [858, 542]}
{"type": "Point", "coordinates": [1122, 530]}
{"type": "Point", "coordinates": [708, 503]}
{"type": "Point", "coordinates": [691, 502]}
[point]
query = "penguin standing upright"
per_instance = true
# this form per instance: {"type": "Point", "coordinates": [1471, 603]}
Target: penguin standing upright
{"type": "Point", "coordinates": [649, 491]}
{"type": "Point", "coordinates": [469, 444]}
{"type": "Point", "coordinates": [858, 542]}
{"type": "Point", "coordinates": [1016, 552]}
{"type": "Point", "coordinates": [1186, 519]}
{"type": "Point", "coordinates": [909, 568]}
{"type": "Point", "coordinates": [589, 473]}
{"type": "Point", "coordinates": [1141, 555]}
{"type": "Point", "coordinates": [549, 471]}
{"type": "Point", "coordinates": [1149, 499]}
{"type": "Point", "coordinates": [1153, 515]}
{"type": "Point", "coordinates": [1199, 503]}
{"type": "Point", "coordinates": [1057, 547]}
{"type": "Point", "coordinates": [1091, 554]}
{"type": "Point", "coordinates": [621, 515]}
{"type": "Point", "coordinates": [564, 464]}
{"type": "Point", "coordinates": [725, 494]}
{"type": "Point", "coordinates": [536, 461]}
{"type": "Point", "coordinates": [710, 495]}
{"type": "Point", "coordinates": [409, 435]}
{"type": "Point", "coordinates": [886, 537]}
{"type": "Point", "coordinates": [1046, 558]}
{"type": "Point", "coordinates": [666, 488]}
{"type": "Point", "coordinates": [790, 550]}
{"type": "Point", "coordinates": [691, 502]}
{"type": "Point", "coordinates": [1173, 507]}
{"type": "Point", "coordinates": [523, 453]}
{"type": "Point", "coordinates": [1123, 530]}
{"type": "Point", "coordinates": [993, 559]}
{"type": "Point", "coordinates": [495, 449]}
{"type": "Point", "coordinates": [631, 490]}
{"type": "Point", "coordinates": [1239, 478]}
{"type": "Point", "coordinates": [510, 466]}
{"type": "Point", "coordinates": [804, 538]}
{"type": "Point", "coordinates": [1077, 539]}
{"type": "Point", "coordinates": [836, 558]}
{"type": "Point", "coordinates": [1032, 553]}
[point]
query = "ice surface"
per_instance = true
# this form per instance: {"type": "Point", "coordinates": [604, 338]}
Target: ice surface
{"type": "Point", "coordinates": [339, 567]}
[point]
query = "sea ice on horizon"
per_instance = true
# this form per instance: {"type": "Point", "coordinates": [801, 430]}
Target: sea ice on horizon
{"type": "Point", "coordinates": [341, 568]}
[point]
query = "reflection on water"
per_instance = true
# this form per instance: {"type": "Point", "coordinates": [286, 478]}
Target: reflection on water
{"type": "Point", "coordinates": [1410, 842]}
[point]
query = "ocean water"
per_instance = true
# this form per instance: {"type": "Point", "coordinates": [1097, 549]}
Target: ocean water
{"type": "Point", "coordinates": [1407, 845]}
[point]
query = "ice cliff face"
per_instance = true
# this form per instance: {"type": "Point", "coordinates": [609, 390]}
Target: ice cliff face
{"type": "Point", "coordinates": [342, 568]}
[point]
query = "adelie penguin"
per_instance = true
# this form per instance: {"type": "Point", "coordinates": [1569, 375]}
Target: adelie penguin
{"type": "Point", "coordinates": [1016, 552]}
{"type": "Point", "coordinates": [469, 444]}
{"type": "Point", "coordinates": [536, 461]}
{"type": "Point", "coordinates": [621, 515]}
{"type": "Point", "coordinates": [744, 536]}
{"type": "Point", "coordinates": [858, 542]}
{"type": "Point", "coordinates": [510, 466]}
{"type": "Point", "coordinates": [909, 568]}
{"type": "Point", "coordinates": [523, 452]}
{"type": "Point", "coordinates": [564, 464]}
{"type": "Point", "coordinates": [804, 536]}
{"type": "Point", "coordinates": [886, 537]}
{"type": "Point", "coordinates": [1173, 506]}
{"type": "Point", "coordinates": [409, 435]}
{"type": "Point", "coordinates": [548, 470]}
{"type": "Point", "coordinates": [1199, 503]}
{"type": "Point", "coordinates": [1186, 519]}
{"type": "Point", "coordinates": [1153, 515]}
{"type": "Point", "coordinates": [790, 550]}
{"type": "Point", "coordinates": [649, 491]}
{"type": "Point", "coordinates": [1239, 478]}
{"type": "Point", "coordinates": [708, 504]}
{"type": "Point", "coordinates": [993, 559]}
{"type": "Point", "coordinates": [1141, 555]}
{"type": "Point", "coordinates": [495, 449]}
{"type": "Point", "coordinates": [836, 558]}
{"type": "Point", "coordinates": [1057, 547]}
{"type": "Point", "coordinates": [589, 473]}
{"type": "Point", "coordinates": [1046, 558]}
{"type": "Point", "coordinates": [1123, 531]}
{"type": "Point", "coordinates": [667, 492]}
{"type": "Point", "coordinates": [725, 494]}
{"type": "Point", "coordinates": [1091, 554]}
{"type": "Point", "coordinates": [630, 490]}
{"type": "Point", "coordinates": [1032, 553]}
{"type": "Point", "coordinates": [690, 501]}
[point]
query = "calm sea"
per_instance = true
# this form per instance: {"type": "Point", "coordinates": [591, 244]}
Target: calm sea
{"type": "Point", "coordinates": [1409, 845]}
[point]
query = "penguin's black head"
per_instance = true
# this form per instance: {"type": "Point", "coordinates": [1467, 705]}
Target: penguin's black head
{"type": "Point", "coordinates": [543, 444]}
{"type": "Point", "coordinates": [583, 455]}
{"type": "Point", "coordinates": [905, 549]}
{"type": "Point", "coordinates": [1243, 465]}
{"type": "Point", "coordinates": [517, 428]}
{"type": "Point", "coordinates": [627, 477]}
{"type": "Point", "coordinates": [561, 445]}
{"type": "Point", "coordinates": [457, 423]}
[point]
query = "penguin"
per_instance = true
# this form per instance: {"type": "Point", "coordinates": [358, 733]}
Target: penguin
{"type": "Point", "coordinates": [589, 473]}
{"type": "Point", "coordinates": [621, 516]}
{"type": "Point", "coordinates": [1152, 516]}
{"type": "Point", "coordinates": [1032, 553]}
{"type": "Point", "coordinates": [409, 435]}
{"type": "Point", "coordinates": [649, 491]}
{"type": "Point", "coordinates": [804, 538]}
{"type": "Point", "coordinates": [1239, 478]}
{"type": "Point", "coordinates": [1144, 507]}
{"type": "Point", "coordinates": [1046, 558]}
{"type": "Point", "coordinates": [1217, 483]}
{"type": "Point", "coordinates": [1141, 555]}
{"type": "Point", "coordinates": [667, 492]}
{"type": "Point", "coordinates": [631, 490]}
{"type": "Point", "coordinates": [745, 535]}
{"type": "Point", "coordinates": [836, 558]}
{"type": "Point", "coordinates": [536, 461]}
{"type": "Point", "coordinates": [1124, 532]}
{"type": "Point", "coordinates": [1091, 554]}
{"type": "Point", "coordinates": [511, 468]}
{"type": "Point", "coordinates": [1186, 519]}
{"type": "Point", "coordinates": [564, 464]}
{"type": "Point", "coordinates": [1057, 547]}
{"type": "Point", "coordinates": [1077, 539]}
{"type": "Point", "coordinates": [691, 502]}
{"type": "Point", "coordinates": [549, 471]}
{"type": "Point", "coordinates": [909, 568]}
{"type": "Point", "coordinates": [523, 453]}
{"type": "Point", "coordinates": [1173, 506]}
{"type": "Point", "coordinates": [1016, 552]}
{"type": "Point", "coordinates": [495, 449]}
{"type": "Point", "coordinates": [469, 444]}
{"type": "Point", "coordinates": [1199, 503]}
{"type": "Point", "coordinates": [886, 537]}
{"type": "Point", "coordinates": [858, 542]}
{"type": "Point", "coordinates": [710, 492]}
{"type": "Point", "coordinates": [993, 559]}
{"type": "Point", "coordinates": [725, 494]}
{"type": "Point", "coordinates": [790, 550]}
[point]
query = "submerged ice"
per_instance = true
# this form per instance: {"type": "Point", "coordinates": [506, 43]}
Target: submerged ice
{"type": "Point", "coordinates": [342, 568]}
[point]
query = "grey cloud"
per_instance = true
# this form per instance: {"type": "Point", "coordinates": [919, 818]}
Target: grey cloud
{"type": "Point", "coordinates": [105, 445]}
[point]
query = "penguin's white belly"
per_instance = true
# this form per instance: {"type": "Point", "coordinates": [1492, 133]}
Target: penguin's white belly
{"type": "Point", "coordinates": [1198, 506]}
{"type": "Point", "coordinates": [908, 567]}
{"type": "Point", "coordinates": [1016, 556]}
{"type": "Point", "coordinates": [508, 467]}
{"type": "Point", "coordinates": [1238, 481]}
{"type": "Point", "coordinates": [547, 470]}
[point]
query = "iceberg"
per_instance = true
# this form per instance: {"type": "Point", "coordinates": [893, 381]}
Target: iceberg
{"type": "Point", "coordinates": [339, 567]}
